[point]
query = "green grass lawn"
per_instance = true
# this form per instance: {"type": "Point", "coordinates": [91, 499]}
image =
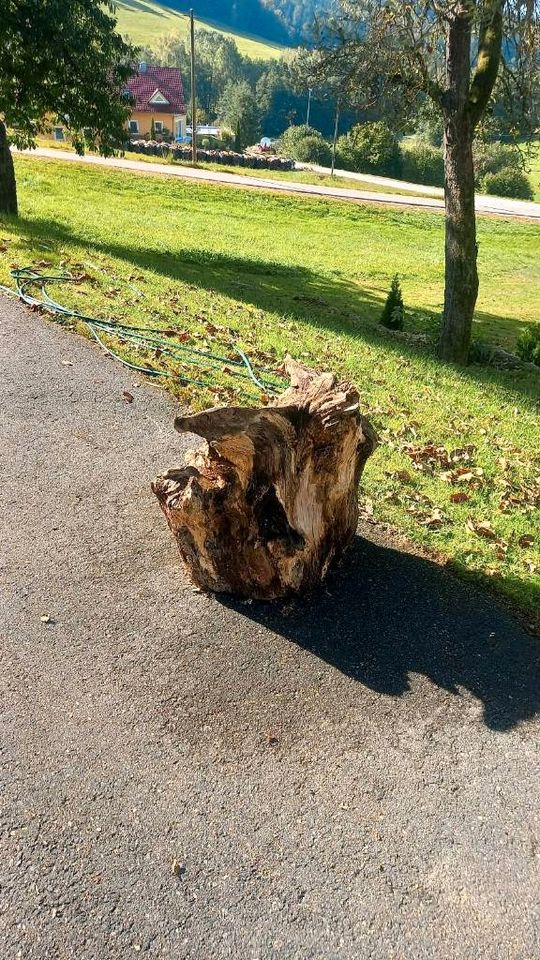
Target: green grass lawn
{"type": "Point", "coordinates": [143, 21]}
{"type": "Point", "coordinates": [281, 274]}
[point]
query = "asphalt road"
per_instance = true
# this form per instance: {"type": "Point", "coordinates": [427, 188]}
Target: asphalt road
{"type": "Point", "coordinates": [355, 775]}
{"type": "Point", "coordinates": [518, 209]}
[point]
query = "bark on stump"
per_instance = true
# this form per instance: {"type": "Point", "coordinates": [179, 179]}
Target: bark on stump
{"type": "Point", "coordinates": [268, 502]}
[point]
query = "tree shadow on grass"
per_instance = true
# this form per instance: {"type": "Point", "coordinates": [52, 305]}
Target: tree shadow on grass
{"type": "Point", "coordinates": [318, 300]}
{"type": "Point", "coordinates": [384, 615]}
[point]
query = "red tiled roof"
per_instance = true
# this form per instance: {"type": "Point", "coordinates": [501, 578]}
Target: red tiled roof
{"type": "Point", "coordinates": [167, 80]}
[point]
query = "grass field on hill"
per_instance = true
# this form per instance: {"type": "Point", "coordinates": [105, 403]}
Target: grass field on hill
{"type": "Point", "coordinates": [143, 21]}
{"type": "Point", "coordinates": [281, 274]}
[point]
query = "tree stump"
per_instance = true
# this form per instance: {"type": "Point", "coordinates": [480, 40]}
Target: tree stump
{"type": "Point", "coordinates": [268, 502]}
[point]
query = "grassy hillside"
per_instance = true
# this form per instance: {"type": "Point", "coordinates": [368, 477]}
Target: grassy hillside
{"type": "Point", "coordinates": [282, 273]}
{"type": "Point", "coordinates": [144, 20]}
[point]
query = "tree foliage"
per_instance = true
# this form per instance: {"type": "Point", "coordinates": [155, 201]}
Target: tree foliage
{"type": "Point", "coordinates": [396, 55]}
{"type": "Point", "coordinates": [280, 88]}
{"type": "Point", "coordinates": [370, 148]}
{"type": "Point", "coordinates": [62, 60]}
{"type": "Point", "coordinates": [239, 110]}
{"type": "Point", "coordinates": [280, 21]}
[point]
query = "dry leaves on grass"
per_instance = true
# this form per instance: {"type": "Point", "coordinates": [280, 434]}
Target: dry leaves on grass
{"type": "Point", "coordinates": [483, 529]}
{"type": "Point", "coordinates": [459, 497]}
{"type": "Point", "coordinates": [472, 476]}
{"type": "Point", "coordinates": [402, 475]}
{"type": "Point", "coordinates": [426, 513]}
{"type": "Point", "coordinates": [429, 457]}
{"type": "Point", "coordinates": [523, 496]}
{"type": "Point", "coordinates": [434, 520]}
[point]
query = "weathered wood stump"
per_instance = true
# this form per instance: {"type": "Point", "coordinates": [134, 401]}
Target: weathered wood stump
{"type": "Point", "coordinates": [270, 500]}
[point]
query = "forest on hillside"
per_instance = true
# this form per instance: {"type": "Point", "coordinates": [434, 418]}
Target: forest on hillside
{"type": "Point", "coordinates": [280, 21]}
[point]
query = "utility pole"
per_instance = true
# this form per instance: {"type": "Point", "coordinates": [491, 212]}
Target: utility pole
{"type": "Point", "coordinates": [310, 91]}
{"type": "Point", "coordinates": [336, 122]}
{"type": "Point", "coordinates": [193, 106]}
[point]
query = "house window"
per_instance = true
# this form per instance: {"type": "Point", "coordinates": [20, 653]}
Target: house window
{"type": "Point", "coordinates": [58, 133]}
{"type": "Point", "coordinates": [133, 126]}
{"type": "Point", "coordinates": [158, 126]}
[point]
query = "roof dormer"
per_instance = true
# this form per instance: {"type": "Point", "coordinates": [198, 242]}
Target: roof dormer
{"type": "Point", "coordinates": [158, 98]}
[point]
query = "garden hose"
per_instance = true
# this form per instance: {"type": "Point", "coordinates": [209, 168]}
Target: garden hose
{"type": "Point", "coordinates": [28, 279]}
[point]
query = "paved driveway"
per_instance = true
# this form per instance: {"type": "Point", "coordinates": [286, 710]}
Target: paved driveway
{"type": "Point", "coordinates": [354, 775]}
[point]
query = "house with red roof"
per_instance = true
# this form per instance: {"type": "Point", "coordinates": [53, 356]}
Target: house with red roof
{"type": "Point", "coordinates": [158, 102]}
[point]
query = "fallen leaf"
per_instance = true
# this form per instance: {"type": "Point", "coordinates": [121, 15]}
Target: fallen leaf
{"type": "Point", "coordinates": [46, 618]}
{"type": "Point", "coordinates": [501, 550]}
{"type": "Point", "coordinates": [482, 528]}
{"type": "Point", "coordinates": [462, 453]}
{"type": "Point", "coordinates": [128, 397]}
{"type": "Point", "coordinates": [434, 520]}
{"type": "Point", "coordinates": [67, 363]}
{"type": "Point", "coordinates": [526, 540]}
{"type": "Point", "coordinates": [460, 497]}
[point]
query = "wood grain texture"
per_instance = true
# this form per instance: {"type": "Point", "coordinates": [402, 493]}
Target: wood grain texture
{"type": "Point", "coordinates": [270, 499]}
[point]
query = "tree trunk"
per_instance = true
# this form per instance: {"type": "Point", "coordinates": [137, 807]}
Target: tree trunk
{"type": "Point", "coordinates": [461, 274]}
{"type": "Point", "coordinates": [270, 500]}
{"type": "Point", "coordinates": [8, 186]}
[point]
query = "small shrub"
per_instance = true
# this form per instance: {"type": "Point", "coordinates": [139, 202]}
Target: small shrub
{"type": "Point", "coordinates": [508, 182]}
{"type": "Point", "coordinates": [528, 345]}
{"type": "Point", "coordinates": [393, 314]}
{"type": "Point", "coordinates": [306, 145]}
{"type": "Point", "coordinates": [313, 150]}
{"type": "Point", "coordinates": [493, 157]}
{"type": "Point", "coordinates": [423, 163]}
{"type": "Point", "coordinates": [370, 148]}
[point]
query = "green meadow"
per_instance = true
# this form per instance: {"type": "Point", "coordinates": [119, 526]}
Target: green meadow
{"type": "Point", "coordinates": [143, 21]}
